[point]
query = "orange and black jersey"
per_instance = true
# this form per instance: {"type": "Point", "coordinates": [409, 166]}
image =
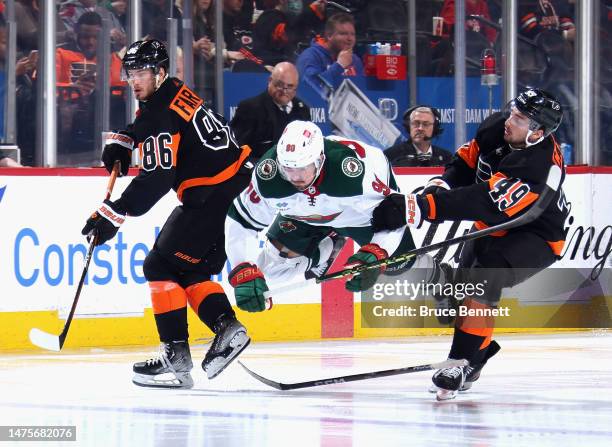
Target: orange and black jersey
{"type": "Point", "coordinates": [492, 183]}
{"type": "Point", "coordinates": [183, 146]}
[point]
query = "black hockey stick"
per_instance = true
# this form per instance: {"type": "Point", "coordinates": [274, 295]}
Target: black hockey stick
{"type": "Point", "coordinates": [550, 188]}
{"type": "Point", "coordinates": [53, 342]}
{"type": "Point", "coordinates": [451, 231]}
{"type": "Point", "coordinates": [354, 377]}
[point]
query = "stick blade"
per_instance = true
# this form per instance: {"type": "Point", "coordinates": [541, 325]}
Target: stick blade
{"type": "Point", "coordinates": [271, 383]}
{"type": "Point", "coordinates": [45, 340]}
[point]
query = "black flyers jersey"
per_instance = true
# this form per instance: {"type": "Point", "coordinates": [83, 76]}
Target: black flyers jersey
{"type": "Point", "coordinates": [492, 183]}
{"type": "Point", "coordinates": [183, 146]}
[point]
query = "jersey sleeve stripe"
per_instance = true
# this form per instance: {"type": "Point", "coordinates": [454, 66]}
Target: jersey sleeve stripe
{"type": "Point", "coordinates": [234, 214]}
{"type": "Point", "coordinates": [222, 176]}
{"type": "Point", "coordinates": [527, 200]}
{"type": "Point", "coordinates": [241, 209]}
{"type": "Point", "coordinates": [432, 206]}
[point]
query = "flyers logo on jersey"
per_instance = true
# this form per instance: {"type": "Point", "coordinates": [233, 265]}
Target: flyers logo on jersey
{"type": "Point", "coordinates": [186, 103]}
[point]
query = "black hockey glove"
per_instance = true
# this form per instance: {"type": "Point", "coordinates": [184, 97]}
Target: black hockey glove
{"type": "Point", "coordinates": [104, 222]}
{"type": "Point", "coordinates": [434, 185]}
{"type": "Point", "coordinates": [118, 146]}
{"type": "Point", "coordinates": [398, 210]}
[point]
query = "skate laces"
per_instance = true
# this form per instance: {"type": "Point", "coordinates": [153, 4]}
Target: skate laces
{"type": "Point", "coordinates": [161, 357]}
{"type": "Point", "coordinates": [453, 372]}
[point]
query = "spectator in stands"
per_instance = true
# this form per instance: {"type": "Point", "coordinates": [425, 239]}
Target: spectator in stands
{"type": "Point", "coordinates": [237, 29]}
{"type": "Point", "coordinates": [26, 17]}
{"type": "Point", "coordinates": [259, 121]}
{"type": "Point", "coordinates": [204, 48]}
{"type": "Point", "coordinates": [537, 16]}
{"type": "Point", "coordinates": [75, 62]}
{"type": "Point", "coordinates": [70, 11]}
{"type": "Point", "coordinates": [277, 32]}
{"type": "Point", "coordinates": [328, 61]}
{"type": "Point", "coordinates": [76, 67]}
{"type": "Point", "coordinates": [423, 124]}
{"type": "Point", "coordinates": [116, 13]}
{"type": "Point", "coordinates": [472, 7]}
{"type": "Point", "coordinates": [155, 14]}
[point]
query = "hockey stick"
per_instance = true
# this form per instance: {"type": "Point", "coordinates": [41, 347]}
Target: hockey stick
{"type": "Point", "coordinates": [451, 231]}
{"type": "Point", "coordinates": [354, 377]}
{"type": "Point", "coordinates": [53, 342]}
{"type": "Point", "coordinates": [550, 188]}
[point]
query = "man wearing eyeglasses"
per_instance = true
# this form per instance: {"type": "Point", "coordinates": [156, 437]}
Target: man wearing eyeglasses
{"type": "Point", "coordinates": [259, 121]}
{"type": "Point", "coordinates": [423, 125]}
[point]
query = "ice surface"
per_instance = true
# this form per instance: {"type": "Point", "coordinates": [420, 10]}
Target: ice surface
{"type": "Point", "coordinates": [540, 390]}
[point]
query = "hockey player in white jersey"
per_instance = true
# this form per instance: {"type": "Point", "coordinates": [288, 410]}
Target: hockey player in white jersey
{"type": "Point", "coordinates": [312, 193]}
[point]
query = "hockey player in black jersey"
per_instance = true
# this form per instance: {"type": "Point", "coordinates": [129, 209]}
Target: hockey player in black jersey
{"type": "Point", "coordinates": [186, 147]}
{"type": "Point", "coordinates": [493, 178]}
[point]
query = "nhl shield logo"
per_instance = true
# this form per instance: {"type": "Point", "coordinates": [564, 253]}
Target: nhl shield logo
{"type": "Point", "coordinates": [266, 169]}
{"type": "Point", "coordinates": [352, 167]}
{"type": "Point", "coordinates": [286, 226]}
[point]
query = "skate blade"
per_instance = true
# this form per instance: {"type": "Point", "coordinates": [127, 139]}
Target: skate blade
{"type": "Point", "coordinates": [165, 380]}
{"type": "Point", "coordinates": [443, 394]}
{"type": "Point", "coordinates": [217, 365]}
{"type": "Point", "coordinates": [466, 387]}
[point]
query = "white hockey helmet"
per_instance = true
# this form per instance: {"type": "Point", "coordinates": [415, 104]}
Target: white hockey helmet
{"type": "Point", "coordinates": [300, 145]}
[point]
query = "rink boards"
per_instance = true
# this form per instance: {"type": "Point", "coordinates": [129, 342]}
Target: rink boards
{"type": "Point", "coordinates": [42, 252]}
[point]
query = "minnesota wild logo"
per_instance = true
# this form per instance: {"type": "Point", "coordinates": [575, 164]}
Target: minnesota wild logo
{"type": "Point", "coordinates": [266, 169]}
{"type": "Point", "coordinates": [352, 167]}
{"type": "Point", "coordinates": [286, 226]}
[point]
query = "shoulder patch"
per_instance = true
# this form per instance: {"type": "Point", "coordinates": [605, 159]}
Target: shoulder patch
{"type": "Point", "coordinates": [185, 103]}
{"type": "Point", "coordinates": [351, 167]}
{"type": "Point", "coordinates": [266, 169]}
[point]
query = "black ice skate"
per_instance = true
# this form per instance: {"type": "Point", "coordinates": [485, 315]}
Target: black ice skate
{"type": "Point", "coordinates": [230, 340]}
{"type": "Point", "coordinates": [471, 374]}
{"type": "Point", "coordinates": [448, 381]}
{"type": "Point", "coordinates": [323, 267]}
{"type": "Point", "coordinates": [170, 369]}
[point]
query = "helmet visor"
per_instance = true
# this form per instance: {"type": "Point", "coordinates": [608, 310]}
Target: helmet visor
{"type": "Point", "coordinates": [137, 74]}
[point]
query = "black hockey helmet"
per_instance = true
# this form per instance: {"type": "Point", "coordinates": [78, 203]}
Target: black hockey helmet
{"type": "Point", "coordinates": [146, 54]}
{"type": "Point", "coordinates": [541, 107]}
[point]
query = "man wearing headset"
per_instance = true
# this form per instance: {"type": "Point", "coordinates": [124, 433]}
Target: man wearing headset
{"type": "Point", "coordinates": [423, 124]}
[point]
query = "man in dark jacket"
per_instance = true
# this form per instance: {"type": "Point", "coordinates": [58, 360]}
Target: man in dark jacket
{"type": "Point", "coordinates": [423, 125]}
{"type": "Point", "coordinates": [260, 120]}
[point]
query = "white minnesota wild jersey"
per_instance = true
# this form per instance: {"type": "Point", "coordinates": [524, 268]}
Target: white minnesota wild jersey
{"type": "Point", "coordinates": [354, 179]}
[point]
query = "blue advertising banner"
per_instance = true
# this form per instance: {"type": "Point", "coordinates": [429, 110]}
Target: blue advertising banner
{"type": "Point", "coordinates": [391, 98]}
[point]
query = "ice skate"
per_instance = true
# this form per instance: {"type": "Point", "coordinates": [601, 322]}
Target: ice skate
{"type": "Point", "coordinates": [471, 372]}
{"type": "Point", "coordinates": [230, 340]}
{"type": "Point", "coordinates": [335, 243]}
{"type": "Point", "coordinates": [448, 381]}
{"type": "Point", "coordinates": [170, 369]}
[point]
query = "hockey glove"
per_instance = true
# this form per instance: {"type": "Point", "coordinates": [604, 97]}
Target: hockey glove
{"type": "Point", "coordinates": [118, 146]}
{"type": "Point", "coordinates": [104, 222]}
{"type": "Point", "coordinates": [249, 287]}
{"type": "Point", "coordinates": [367, 254]}
{"type": "Point", "coordinates": [397, 210]}
{"type": "Point", "coordinates": [434, 185]}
